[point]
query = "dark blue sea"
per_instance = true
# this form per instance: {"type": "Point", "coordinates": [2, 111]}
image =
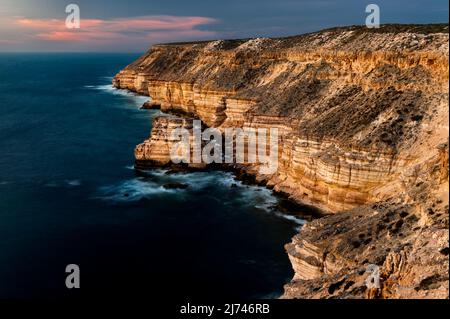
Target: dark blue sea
{"type": "Point", "coordinates": [69, 195]}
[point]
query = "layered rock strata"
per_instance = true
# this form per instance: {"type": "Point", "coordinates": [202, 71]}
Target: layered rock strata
{"type": "Point", "coordinates": [362, 115]}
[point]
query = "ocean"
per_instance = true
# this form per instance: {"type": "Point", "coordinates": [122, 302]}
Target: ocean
{"type": "Point", "coordinates": [69, 195]}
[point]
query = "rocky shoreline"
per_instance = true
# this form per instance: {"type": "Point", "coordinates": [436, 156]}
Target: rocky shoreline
{"type": "Point", "coordinates": [363, 116]}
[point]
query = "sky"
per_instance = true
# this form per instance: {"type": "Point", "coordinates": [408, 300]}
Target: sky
{"type": "Point", "coordinates": [134, 25]}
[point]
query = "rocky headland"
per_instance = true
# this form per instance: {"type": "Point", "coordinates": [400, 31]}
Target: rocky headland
{"type": "Point", "coordinates": [363, 121]}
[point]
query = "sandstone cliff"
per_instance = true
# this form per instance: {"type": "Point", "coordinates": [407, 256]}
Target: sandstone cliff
{"type": "Point", "coordinates": [363, 121]}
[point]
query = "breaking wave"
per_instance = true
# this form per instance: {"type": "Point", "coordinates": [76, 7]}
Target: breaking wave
{"type": "Point", "coordinates": [133, 190]}
{"type": "Point", "coordinates": [221, 185]}
{"type": "Point", "coordinates": [137, 99]}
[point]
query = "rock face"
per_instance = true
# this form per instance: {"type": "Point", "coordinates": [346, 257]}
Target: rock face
{"type": "Point", "coordinates": [362, 116]}
{"type": "Point", "coordinates": [156, 151]}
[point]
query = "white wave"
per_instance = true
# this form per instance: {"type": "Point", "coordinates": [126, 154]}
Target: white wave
{"type": "Point", "coordinates": [136, 99]}
{"type": "Point", "coordinates": [196, 180]}
{"type": "Point", "coordinates": [258, 197]}
{"type": "Point", "coordinates": [264, 199]}
{"type": "Point", "coordinates": [73, 183]}
{"type": "Point", "coordinates": [295, 219]}
{"type": "Point", "coordinates": [109, 88]}
{"type": "Point", "coordinates": [159, 172]}
{"type": "Point", "coordinates": [134, 190]}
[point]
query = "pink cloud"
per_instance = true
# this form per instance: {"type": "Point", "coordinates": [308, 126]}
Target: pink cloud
{"type": "Point", "coordinates": [157, 23]}
{"type": "Point", "coordinates": [146, 28]}
{"type": "Point", "coordinates": [171, 36]}
{"type": "Point", "coordinates": [53, 24]}
{"type": "Point", "coordinates": [79, 36]}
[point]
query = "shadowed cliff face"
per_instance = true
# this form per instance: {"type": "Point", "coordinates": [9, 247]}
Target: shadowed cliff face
{"type": "Point", "coordinates": [362, 114]}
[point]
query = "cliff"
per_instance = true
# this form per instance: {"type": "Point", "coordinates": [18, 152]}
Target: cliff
{"type": "Point", "coordinates": [363, 122]}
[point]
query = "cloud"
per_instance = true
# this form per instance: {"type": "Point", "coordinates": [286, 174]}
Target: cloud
{"type": "Point", "coordinates": [8, 41]}
{"type": "Point", "coordinates": [53, 24]}
{"type": "Point", "coordinates": [98, 32]}
{"type": "Point", "coordinates": [145, 23]}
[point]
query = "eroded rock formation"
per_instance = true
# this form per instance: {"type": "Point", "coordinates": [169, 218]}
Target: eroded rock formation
{"type": "Point", "coordinates": [363, 121]}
